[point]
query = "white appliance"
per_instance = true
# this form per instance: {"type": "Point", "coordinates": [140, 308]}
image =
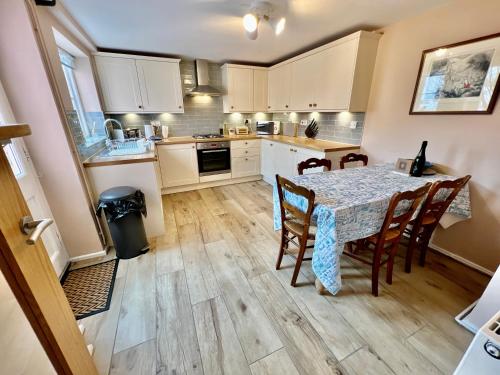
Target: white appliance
{"type": "Point", "coordinates": [483, 355]}
{"type": "Point", "coordinates": [268, 127]}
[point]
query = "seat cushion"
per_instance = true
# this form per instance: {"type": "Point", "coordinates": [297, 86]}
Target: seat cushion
{"type": "Point", "coordinates": [389, 235]}
{"type": "Point", "coordinates": [296, 226]}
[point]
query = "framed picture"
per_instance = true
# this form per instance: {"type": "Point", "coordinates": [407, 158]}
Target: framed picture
{"type": "Point", "coordinates": [461, 78]}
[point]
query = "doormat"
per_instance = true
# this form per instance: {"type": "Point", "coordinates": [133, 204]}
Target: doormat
{"type": "Point", "coordinates": [89, 289]}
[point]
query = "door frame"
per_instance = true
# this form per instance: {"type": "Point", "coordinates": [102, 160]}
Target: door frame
{"type": "Point", "coordinates": [66, 348]}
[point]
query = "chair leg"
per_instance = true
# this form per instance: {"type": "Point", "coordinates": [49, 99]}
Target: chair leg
{"type": "Point", "coordinates": [375, 270]}
{"type": "Point", "coordinates": [424, 244]}
{"type": "Point", "coordinates": [412, 245]}
{"type": "Point", "coordinates": [390, 263]}
{"type": "Point", "coordinates": [300, 257]}
{"type": "Point", "coordinates": [283, 245]}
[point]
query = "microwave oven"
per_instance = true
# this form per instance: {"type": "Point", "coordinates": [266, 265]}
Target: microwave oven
{"type": "Point", "coordinates": [268, 127]}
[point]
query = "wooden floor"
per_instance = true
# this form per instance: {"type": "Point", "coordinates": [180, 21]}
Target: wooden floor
{"type": "Point", "coordinates": [207, 300]}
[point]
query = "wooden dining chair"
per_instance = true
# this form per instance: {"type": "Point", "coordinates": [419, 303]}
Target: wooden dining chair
{"type": "Point", "coordinates": [401, 209]}
{"type": "Point", "coordinates": [420, 230]}
{"type": "Point", "coordinates": [314, 163]}
{"type": "Point", "coordinates": [296, 225]}
{"type": "Point", "coordinates": [352, 157]}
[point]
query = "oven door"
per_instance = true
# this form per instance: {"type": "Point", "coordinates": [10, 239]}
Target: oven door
{"type": "Point", "coordinates": [214, 161]}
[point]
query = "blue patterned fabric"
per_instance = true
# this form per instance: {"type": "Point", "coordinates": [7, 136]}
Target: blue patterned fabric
{"type": "Point", "coordinates": [351, 204]}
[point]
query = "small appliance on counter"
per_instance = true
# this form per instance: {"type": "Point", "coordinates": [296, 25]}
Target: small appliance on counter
{"type": "Point", "coordinates": [164, 131]}
{"type": "Point", "coordinates": [242, 130]}
{"type": "Point", "coordinates": [268, 127]}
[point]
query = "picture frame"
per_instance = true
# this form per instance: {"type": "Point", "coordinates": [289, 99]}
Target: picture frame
{"type": "Point", "coordinates": [403, 166]}
{"type": "Point", "coordinates": [459, 78]}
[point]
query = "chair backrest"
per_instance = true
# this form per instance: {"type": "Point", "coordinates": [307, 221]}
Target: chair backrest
{"type": "Point", "coordinates": [314, 163]}
{"type": "Point", "coordinates": [352, 157]}
{"type": "Point", "coordinates": [397, 218]}
{"type": "Point", "coordinates": [440, 196]}
{"type": "Point", "coordinates": [288, 209]}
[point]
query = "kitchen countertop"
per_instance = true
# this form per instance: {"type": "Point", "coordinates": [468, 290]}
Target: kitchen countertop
{"type": "Point", "coordinates": [100, 160]}
{"type": "Point", "coordinates": [313, 144]}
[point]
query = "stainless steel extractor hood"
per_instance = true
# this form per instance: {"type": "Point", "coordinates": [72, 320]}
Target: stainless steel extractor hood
{"type": "Point", "coordinates": [202, 86]}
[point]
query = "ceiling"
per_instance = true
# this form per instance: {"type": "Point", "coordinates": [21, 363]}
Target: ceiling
{"type": "Point", "coordinates": [212, 29]}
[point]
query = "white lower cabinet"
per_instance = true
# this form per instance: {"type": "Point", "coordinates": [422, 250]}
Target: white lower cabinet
{"type": "Point", "coordinates": [178, 164]}
{"type": "Point", "coordinates": [283, 159]}
{"type": "Point", "coordinates": [245, 158]}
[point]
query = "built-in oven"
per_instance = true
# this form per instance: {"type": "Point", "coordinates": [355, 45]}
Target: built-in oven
{"type": "Point", "coordinates": [213, 158]}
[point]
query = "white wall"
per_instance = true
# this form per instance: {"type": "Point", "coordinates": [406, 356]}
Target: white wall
{"type": "Point", "coordinates": [465, 144]}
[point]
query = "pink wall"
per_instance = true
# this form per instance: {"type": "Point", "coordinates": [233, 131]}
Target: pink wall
{"type": "Point", "coordinates": [465, 144]}
{"type": "Point", "coordinates": [26, 84]}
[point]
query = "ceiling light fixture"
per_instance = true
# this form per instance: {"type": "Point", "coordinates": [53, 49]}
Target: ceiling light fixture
{"type": "Point", "coordinates": [262, 10]}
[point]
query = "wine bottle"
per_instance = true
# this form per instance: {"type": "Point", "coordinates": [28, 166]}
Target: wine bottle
{"type": "Point", "coordinates": [418, 165]}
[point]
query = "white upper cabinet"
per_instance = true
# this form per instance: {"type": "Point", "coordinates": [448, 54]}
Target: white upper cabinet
{"type": "Point", "coordinates": [245, 88]}
{"type": "Point", "coordinates": [139, 84]}
{"type": "Point", "coordinates": [119, 84]}
{"type": "Point", "coordinates": [279, 81]}
{"type": "Point", "coordinates": [331, 78]}
{"type": "Point", "coordinates": [160, 84]}
{"type": "Point", "coordinates": [260, 90]}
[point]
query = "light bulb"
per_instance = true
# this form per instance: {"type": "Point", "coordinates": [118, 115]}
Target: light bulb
{"type": "Point", "coordinates": [280, 26]}
{"type": "Point", "coordinates": [252, 35]}
{"type": "Point", "coordinates": [250, 22]}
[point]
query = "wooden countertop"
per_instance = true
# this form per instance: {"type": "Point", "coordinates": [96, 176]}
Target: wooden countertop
{"type": "Point", "coordinates": [313, 144]}
{"type": "Point", "coordinates": [100, 160]}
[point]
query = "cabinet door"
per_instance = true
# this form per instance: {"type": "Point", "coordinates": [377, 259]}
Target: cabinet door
{"type": "Point", "coordinates": [119, 84]}
{"type": "Point", "coordinates": [260, 90]}
{"type": "Point", "coordinates": [304, 83]}
{"type": "Point", "coordinates": [245, 166]}
{"type": "Point", "coordinates": [240, 89]}
{"type": "Point", "coordinates": [302, 154]}
{"type": "Point", "coordinates": [267, 167]}
{"type": "Point", "coordinates": [337, 72]}
{"type": "Point", "coordinates": [279, 88]}
{"type": "Point", "coordinates": [178, 164]}
{"type": "Point", "coordinates": [284, 160]}
{"type": "Point", "coordinates": [160, 84]}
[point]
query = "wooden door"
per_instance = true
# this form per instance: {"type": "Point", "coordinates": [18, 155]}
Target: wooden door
{"type": "Point", "coordinates": [337, 71]}
{"type": "Point", "coordinates": [31, 276]}
{"type": "Point", "coordinates": [160, 84]}
{"type": "Point", "coordinates": [259, 90]}
{"type": "Point", "coordinates": [178, 164]}
{"type": "Point", "coordinates": [240, 89]}
{"type": "Point", "coordinates": [119, 84]}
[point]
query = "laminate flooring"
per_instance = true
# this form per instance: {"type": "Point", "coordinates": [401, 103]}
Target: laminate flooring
{"type": "Point", "coordinates": [207, 300]}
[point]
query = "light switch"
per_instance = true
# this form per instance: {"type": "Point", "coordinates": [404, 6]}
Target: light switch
{"type": "Point", "coordinates": [353, 124]}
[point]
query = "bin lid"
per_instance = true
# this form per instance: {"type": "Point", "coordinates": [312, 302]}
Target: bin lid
{"type": "Point", "coordinates": [117, 193]}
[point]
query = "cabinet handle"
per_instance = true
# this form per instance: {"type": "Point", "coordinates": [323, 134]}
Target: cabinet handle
{"type": "Point", "coordinates": [286, 106]}
{"type": "Point", "coordinates": [180, 106]}
{"type": "Point", "coordinates": [232, 107]}
{"type": "Point", "coordinates": [192, 146]}
{"type": "Point", "coordinates": [310, 105]}
{"type": "Point", "coordinates": [246, 152]}
{"type": "Point", "coordinates": [291, 150]}
{"type": "Point", "coordinates": [314, 105]}
{"type": "Point", "coordinates": [270, 144]}
{"type": "Point", "coordinates": [269, 106]}
{"type": "Point", "coordinates": [140, 106]}
{"type": "Point", "coordinates": [246, 159]}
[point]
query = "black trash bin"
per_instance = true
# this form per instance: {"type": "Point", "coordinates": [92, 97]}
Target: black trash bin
{"type": "Point", "coordinates": [124, 207]}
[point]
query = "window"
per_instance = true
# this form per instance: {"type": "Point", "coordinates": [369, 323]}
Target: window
{"type": "Point", "coordinates": [68, 66]}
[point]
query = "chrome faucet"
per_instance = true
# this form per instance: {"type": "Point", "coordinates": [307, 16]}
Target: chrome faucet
{"type": "Point", "coordinates": [112, 121]}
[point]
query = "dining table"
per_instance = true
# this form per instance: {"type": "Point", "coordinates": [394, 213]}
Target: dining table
{"type": "Point", "coordinates": [351, 204]}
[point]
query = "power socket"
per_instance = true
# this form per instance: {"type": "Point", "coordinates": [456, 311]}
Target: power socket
{"type": "Point", "coordinates": [303, 122]}
{"type": "Point", "coordinates": [353, 125]}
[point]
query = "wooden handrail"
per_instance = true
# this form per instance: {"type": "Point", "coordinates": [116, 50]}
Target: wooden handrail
{"type": "Point", "coordinates": [14, 131]}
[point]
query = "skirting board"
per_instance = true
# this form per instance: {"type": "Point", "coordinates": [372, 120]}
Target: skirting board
{"type": "Point", "coordinates": [88, 256]}
{"type": "Point", "coordinates": [203, 185]}
{"type": "Point", "coordinates": [460, 259]}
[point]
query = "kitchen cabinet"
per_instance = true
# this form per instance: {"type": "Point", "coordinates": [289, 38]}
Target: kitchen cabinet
{"type": "Point", "coordinates": [332, 78]}
{"type": "Point", "coordinates": [281, 158]}
{"type": "Point", "coordinates": [279, 80]}
{"type": "Point", "coordinates": [245, 158]}
{"type": "Point", "coordinates": [178, 164]}
{"type": "Point", "coordinates": [260, 90]}
{"type": "Point", "coordinates": [134, 84]}
{"type": "Point", "coordinates": [245, 88]}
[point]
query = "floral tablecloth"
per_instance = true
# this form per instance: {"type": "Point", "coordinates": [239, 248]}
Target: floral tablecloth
{"type": "Point", "coordinates": [351, 204]}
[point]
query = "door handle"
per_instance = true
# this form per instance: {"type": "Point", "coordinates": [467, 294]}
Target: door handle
{"type": "Point", "coordinates": [34, 228]}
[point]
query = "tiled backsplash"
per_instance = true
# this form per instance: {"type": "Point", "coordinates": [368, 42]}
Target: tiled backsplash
{"type": "Point", "coordinates": [204, 114]}
{"type": "Point", "coordinates": [95, 121]}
